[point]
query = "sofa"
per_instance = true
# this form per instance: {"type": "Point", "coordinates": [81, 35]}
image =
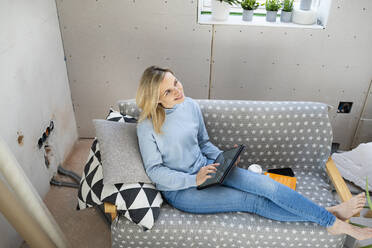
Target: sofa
{"type": "Point", "coordinates": [277, 134]}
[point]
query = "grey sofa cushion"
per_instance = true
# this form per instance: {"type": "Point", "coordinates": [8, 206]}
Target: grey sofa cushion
{"type": "Point", "coordinates": [276, 134]}
{"type": "Point", "coordinates": [175, 228]}
{"type": "Point", "coordinates": [121, 159]}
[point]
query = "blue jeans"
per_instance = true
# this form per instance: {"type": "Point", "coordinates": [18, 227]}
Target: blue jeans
{"type": "Point", "coordinates": [246, 191]}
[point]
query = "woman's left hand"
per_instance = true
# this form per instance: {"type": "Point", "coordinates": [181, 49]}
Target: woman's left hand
{"type": "Point", "coordinates": [238, 160]}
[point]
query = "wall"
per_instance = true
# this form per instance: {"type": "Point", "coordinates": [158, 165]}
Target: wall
{"type": "Point", "coordinates": [364, 129]}
{"type": "Point", "coordinates": [121, 39]}
{"type": "Point", "coordinates": [109, 43]}
{"type": "Point", "coordinates": [329, 65]}
{"type": "Point", "coordinates": [34, 89]}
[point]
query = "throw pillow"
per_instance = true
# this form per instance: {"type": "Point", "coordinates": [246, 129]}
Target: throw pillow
{"type": "Point", "coordinates": [118, 117]}
{"type": "Point", "coordinates": [121, 158]}
{"type": "Point", "coordinates": [93, 192]}
{"type": "Point", "coordinates": [139, 202]}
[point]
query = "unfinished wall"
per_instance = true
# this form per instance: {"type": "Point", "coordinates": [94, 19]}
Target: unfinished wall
{"type": "Point", "coordinates": [34, 89]}
{"type": "Point", "coordinates": [364, 129]}
{"type": "Point", "coordinates": [108, 44]}
{"type": "Point", "coordinates": [329, 65]}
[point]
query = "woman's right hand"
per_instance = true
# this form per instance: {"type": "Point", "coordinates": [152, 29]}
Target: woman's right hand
{"type": "Point", "coordinates": [202, 175]}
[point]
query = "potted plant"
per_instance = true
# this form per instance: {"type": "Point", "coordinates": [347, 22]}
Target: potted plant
{"type": "Point", "coordinates": [305, 4]}
{"type": "Point", "coordinates": [286, 15]}
{"type": "Point", "coordinates": [368, 199]}
{"type": "Point", "coordinates": [272, 7]}
{"type": "Point", "coordinates": [248, 7]}
{"type": "Point", "coordinates": [221, 9]}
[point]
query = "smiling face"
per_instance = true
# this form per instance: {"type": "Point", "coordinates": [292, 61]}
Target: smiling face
{"type": "Point", "coordinates": [170, 91]}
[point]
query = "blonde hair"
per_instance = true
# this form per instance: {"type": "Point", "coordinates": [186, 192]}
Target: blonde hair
{"type": "Point", "coordinates": [147, 97]}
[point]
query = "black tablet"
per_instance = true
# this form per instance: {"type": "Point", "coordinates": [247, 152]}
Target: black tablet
{"type": "Point", "coordinates": [226, 160]}
{"type": "Point", "coordinates": [282, 171]}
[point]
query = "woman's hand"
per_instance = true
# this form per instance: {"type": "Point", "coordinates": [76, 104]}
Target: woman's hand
{"type": "Point", "coordinates": [238, 160]}
{"type": "Point", "coordinates": [202, 175]}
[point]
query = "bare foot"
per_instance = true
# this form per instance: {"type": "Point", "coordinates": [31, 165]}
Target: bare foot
{"type": "Point", "coordinates": [349, 208]}
{"type": "Point", "coordinates": [341, 227]}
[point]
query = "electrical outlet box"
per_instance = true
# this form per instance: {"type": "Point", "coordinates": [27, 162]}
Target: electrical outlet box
{"type": "Point", "coordinates": [344, 107]}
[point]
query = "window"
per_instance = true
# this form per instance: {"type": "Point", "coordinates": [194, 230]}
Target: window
{"type": "Point", "coordinates": [206, 7]}
{"type": "Point", "coordinates": [235, 17]}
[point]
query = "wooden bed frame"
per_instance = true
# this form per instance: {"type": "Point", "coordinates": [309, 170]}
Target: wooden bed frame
{"type": "Point", "coordinates": [332, 171]}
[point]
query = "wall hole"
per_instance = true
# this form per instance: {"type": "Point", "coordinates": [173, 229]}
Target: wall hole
{"type": "Point", "coordinates": [334, 147]}
{"type": "Point", "coordinates": [344, 107]}
{"type": "Point", "coordinates": [20, 138]}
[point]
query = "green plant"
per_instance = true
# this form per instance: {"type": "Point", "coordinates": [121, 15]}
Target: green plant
{"type": "Point", "coordinates": [370, 207]}
{"type": "Point", "coordinates": [288, 5]}
{"type": "Point", "coordinates": [249, 4]}
{"type": "Point", "coordinates": [272, 5]}
{"type": "Point", "coordinates": [367, 193]}
{"type": "Point", "coordinates": [369, 204]}
{"type": "Point", "coordinates": [231, 2]}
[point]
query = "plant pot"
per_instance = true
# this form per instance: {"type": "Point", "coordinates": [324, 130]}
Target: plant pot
{"type": "Point", "coordinates": [247, 15]}
{"type": "Point", "coordinates": [304, 17]}
{"type": "Point", "coordinates": [286, 16]}
{"type": "Point", "coordinates": [305, 4]}
{"type": "Point", "coordinates": [220, 10]}
{"type": "Point", "coordinates": [271, 16]}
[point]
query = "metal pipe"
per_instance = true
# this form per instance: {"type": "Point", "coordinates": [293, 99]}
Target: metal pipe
{"type": "Point", "coordinates": [21, 220]}
{"type": "Point", "coordinates": [27, 194]}
{"type": "Point", "coordinates": [211, 63]}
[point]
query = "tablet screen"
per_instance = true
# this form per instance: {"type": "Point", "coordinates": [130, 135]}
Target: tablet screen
{"type": "Point", "coordinates": [224, 159]}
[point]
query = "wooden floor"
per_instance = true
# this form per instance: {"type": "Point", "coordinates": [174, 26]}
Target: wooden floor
{"type": "Point", "coordinates": [84, 228]}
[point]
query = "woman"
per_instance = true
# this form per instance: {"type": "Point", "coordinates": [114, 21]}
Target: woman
{"type": "Point", "coordinates": [178, 156]}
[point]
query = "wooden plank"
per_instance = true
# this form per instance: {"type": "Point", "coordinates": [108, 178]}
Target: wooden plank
{"type": "Point", "coordinates": [337, 180]}
{"type": "Point", "coordinates": [111, 209]}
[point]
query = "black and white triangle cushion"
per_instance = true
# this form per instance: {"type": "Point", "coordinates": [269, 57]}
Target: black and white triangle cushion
{"type": "Point", "coordinates": [139, 202]}
{"type": "Point", "coordinates": [118, 117]}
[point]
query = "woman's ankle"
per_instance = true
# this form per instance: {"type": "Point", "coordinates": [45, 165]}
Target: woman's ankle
{"type": "Point", "coordinates": [341, 227]}
{"type": "Point", "coordinates": [336, 228]}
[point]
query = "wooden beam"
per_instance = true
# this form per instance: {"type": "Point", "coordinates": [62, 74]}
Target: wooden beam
{"type": "Point", "coordinates": [337, 180]}
{"type": "Point", "coordinates": [111, 209]}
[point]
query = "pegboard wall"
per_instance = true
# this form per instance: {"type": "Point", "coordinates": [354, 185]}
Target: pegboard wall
{"type": "Point", "coordinates": [108, 44]}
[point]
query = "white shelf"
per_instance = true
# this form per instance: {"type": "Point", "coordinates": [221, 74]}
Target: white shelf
{"type": "Point", "coordinates": [256, 21]}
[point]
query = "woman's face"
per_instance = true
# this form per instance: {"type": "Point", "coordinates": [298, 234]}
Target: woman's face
{"type": "Point", "coordinates": [171, 91]}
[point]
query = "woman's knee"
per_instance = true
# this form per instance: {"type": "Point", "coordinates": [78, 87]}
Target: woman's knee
{"type": "Point", "coordinates": [268, 187]}
{"type": "Point", "coordinates": [253, 183]}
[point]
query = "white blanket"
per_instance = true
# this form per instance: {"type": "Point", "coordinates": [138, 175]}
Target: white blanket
{"type": "Point", "coordinates": [356, 165]}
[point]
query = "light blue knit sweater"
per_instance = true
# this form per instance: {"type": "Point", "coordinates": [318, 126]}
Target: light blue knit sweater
{"type": "Point", "coordinates": [173, 159]}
